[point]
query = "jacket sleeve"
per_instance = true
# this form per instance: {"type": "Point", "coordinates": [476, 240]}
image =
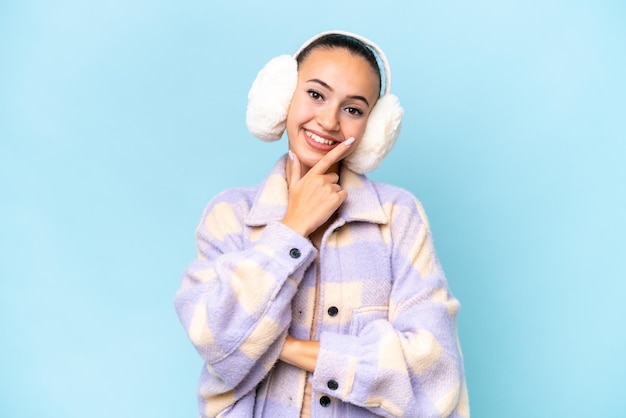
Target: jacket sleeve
{"type": "Point", "coordinates": [235, 298]}
{"type": "Point", "coordinates": [406, 361]}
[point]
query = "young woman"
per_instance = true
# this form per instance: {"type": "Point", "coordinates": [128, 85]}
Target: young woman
{"type": "Point", "coordinates": [318, 292]}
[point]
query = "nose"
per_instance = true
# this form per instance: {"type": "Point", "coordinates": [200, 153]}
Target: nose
{"type": "Point", "coordinates": [327, 118]}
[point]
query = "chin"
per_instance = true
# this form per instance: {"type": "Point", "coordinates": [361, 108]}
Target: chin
{"type": "Point", "coordinates": [309, 161]}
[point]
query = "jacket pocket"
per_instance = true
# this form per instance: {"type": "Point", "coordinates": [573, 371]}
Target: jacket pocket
{"type": "Point", "coordinates": [366, 314]}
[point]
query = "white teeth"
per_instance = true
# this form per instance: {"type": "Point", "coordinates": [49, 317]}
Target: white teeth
{"type": "Point", "coordinates": [319, 139]}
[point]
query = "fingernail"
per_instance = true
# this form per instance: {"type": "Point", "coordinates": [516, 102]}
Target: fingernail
{"type": "Point", "coordinates": [349, 141]}
{"type": "Point", "coordinates": [290, 155]}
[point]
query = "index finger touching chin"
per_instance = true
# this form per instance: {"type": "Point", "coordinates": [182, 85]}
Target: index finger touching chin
{"type": "Point", "coordinates": [333, 156]}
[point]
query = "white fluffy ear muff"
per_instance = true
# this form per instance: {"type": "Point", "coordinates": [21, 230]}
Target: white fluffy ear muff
{"type": "Point", "coordinates": [270, 96]}
{"type": "Point", "coordinates": [381, 133]}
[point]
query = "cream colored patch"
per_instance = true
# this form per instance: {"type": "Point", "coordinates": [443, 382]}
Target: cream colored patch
{"type": "Point", "coordinates": [299, 394]}
{"type": "Point", "coordinates": [422, 254]}
{"type": "Point", "coordinates": [390, 354]}
{"type": "Point", "coordinates": [374, 214]}
{"type": "Point", "coordinates": [341, 238]}
{"type": "Point", "coordinates": [269, 364]}
{"type": "Point", "coordinates": [422, 212]}
{"type": "Point", "coordinates": [269, 251]}
{"type": "Point", "coordinates": [440, 295]}
{"type": "Point", "coordinates": [251, 284]}
{"type": "Point", "coordinates": [205, 275]}
{"type": "Point", "coordinates": [199, 331]}
{"type": "Point", "coordinates": [346, 388]}
{"type": "Point", "coordinates": [209, 368]}
{"type": "Point", "coordinates": [463, 408]}
{"type": "Point", "coordinates": [222, 221]}
{"type": "Point", "coordinates": [256, 233]}
{"type": "Point", "coordinates": [448, 402]}
{"type": "Point", "coordinates": [452, 305]}
{"type": "Point", "coordinates": [385, 229]}
{"type": "Point", "coordinates": [274, 191]}
{"type": "Point", "coordinates": [345, 296]}
{"type": "Point", "coordinates": [422, 350]}
{"type": "Point", "coordinates": [386, 404]}
{"type": "Point", "coordinates": [217, 403]}
{"type": "Point", "coordinates": [261, 337]}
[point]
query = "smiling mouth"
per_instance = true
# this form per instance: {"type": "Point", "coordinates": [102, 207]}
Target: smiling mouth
{"type": "Point", "coordinates": [319, 139]}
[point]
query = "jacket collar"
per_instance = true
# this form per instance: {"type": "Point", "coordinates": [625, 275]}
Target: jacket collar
{"type": "Point", "coordinates": [362, 204]}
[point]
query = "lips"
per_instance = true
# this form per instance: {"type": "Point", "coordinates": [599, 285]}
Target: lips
{"type": "Point", "coordinates": [320, 140]}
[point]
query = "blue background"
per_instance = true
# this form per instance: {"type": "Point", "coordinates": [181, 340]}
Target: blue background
{"type": "Point", "coordinates": [119, 120]}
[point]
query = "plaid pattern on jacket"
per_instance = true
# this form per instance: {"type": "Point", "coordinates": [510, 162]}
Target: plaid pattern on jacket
{"type": "Point", "coordinates": [386, 321]}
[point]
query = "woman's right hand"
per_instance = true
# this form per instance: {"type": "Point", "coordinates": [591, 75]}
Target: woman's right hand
{"type": "Point", "coordinates": [314, 197]}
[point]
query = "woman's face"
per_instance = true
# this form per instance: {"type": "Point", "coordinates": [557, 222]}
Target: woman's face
{"type": "Point", "coordinates": [335, 93]}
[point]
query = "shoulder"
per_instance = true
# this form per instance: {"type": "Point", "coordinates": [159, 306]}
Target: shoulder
{"type": "Point", "coordinates": [253, 206]}
{"type": "Point", "coordinates": [237, 197]}
{"type": "Point", "coordinates": [227, 210]}
{"type": "Point", "coordinates": [398, 202]}
{"type": "Point", "coordinates": [245, 197]}
{"type": "Point", "coordinates": [390, 193]}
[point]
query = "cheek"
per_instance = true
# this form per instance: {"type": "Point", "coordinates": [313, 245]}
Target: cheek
{"type": "Point", "coordinates": [296, 111]}
{"type": "Point", "coordinates": [294, 119]}
{"type": "Point", "coordinates": [355, 128]}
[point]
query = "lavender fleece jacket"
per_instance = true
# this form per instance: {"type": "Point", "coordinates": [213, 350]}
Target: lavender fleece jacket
{"type": "Point", "coordinates": [386, 321]}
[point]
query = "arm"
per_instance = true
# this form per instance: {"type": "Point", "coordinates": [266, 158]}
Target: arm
{"type": "Point", "coordinates": [312, 200]}
{"type": "Point", "coordinates": [235, 298]}
{"type": "Point", "coordinates": [405, 361]}
{"type": "Point", "coordinates": [300, 353]}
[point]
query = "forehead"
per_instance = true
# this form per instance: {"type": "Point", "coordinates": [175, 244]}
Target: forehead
{"type": "Point", "coordinates": [340, 68]}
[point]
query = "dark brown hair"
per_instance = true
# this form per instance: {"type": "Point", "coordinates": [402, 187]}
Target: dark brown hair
{"type": "Point", "coordinates": [352, 45]}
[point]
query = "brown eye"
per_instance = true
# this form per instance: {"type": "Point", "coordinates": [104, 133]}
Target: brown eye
{"type": "Point", "coordinates": [315, 95]}
{"type": "Point", "coordinates": [354, 111]}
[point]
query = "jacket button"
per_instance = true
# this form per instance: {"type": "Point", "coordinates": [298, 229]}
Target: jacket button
{"type": "Point", "coordinates": [324, 401]}
{"type": "Point", "coordinates": [333, 311]}
{"type": "Point", "coordinates": [295, 253]}
{"type": "Point", "coordinates": [332, 385]}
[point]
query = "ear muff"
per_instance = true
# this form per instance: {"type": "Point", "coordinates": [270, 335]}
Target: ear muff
{"type": "Point", "coordinates": [270, 96]}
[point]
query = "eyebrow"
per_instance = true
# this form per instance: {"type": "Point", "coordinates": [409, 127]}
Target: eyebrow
{"type": "Point", "coordinates": [356, 97]}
